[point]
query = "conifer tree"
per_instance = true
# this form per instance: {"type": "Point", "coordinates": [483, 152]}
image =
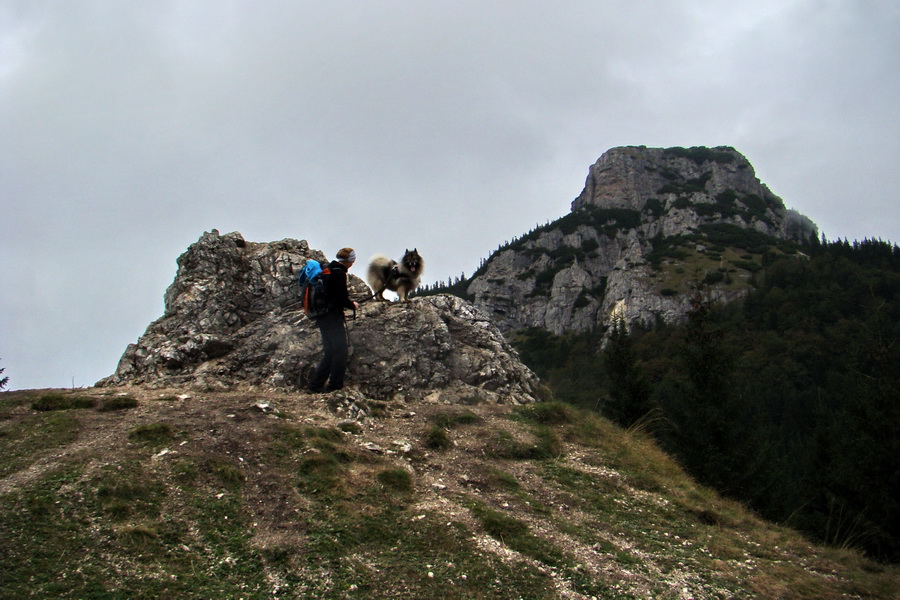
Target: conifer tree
{"type": "Point", "coordinates": [629, 393]}
{"type": "Point", "coordinates": [4, 381]}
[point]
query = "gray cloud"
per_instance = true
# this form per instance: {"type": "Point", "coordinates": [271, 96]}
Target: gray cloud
{"type": "Point", "coordinates": [128, 129]}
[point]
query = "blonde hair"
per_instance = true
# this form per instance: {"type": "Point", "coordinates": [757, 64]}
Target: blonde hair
{"type": "Point", "coordinates": [346, 255]}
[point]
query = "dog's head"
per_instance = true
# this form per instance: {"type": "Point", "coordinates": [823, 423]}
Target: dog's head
{"type": "Point", "coordinates": [413, 261]}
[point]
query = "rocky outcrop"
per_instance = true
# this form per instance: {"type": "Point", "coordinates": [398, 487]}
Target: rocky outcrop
{"type": "Point", "coordinates": [650, 228]}
{"type": "Point", "coordinates": [232, 319]}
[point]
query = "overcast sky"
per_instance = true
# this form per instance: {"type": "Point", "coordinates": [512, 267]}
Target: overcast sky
{"type": "Point", "coordinates": [128, 128]}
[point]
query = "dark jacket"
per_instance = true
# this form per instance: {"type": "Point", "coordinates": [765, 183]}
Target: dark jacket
{"type": "Point", "coordinates": [336, 288]}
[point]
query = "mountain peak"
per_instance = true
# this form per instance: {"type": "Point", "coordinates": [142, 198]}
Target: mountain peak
{"type": "Point", "coordinates": [629, 176]}
{"type": "Point", "coordinates": [644, 218]}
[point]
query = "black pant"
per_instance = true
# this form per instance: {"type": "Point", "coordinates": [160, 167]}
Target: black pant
{"type": "Point", "coordinates": [334, 363]}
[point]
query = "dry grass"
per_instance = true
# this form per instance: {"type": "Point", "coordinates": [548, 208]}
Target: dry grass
{"type": "Point", "coordinates": [203, 496]}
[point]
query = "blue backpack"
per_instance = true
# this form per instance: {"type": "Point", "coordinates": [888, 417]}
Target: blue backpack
{"type": "Point", "coordinates": [313, 291]}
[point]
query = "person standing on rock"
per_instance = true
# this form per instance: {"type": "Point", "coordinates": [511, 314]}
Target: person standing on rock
{"type": "Point", "coordinates": [333, 365]}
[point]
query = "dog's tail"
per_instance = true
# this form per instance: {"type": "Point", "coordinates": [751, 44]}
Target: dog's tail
{"type": "Point", "coordinates": [379, 270]}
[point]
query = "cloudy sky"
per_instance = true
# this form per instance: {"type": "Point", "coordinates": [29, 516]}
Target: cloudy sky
{"type": "Point", "coordinates": [127, 129]}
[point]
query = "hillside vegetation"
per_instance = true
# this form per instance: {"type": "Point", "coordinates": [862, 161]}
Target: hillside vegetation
{"type": "Point", "coordinates": [160, 494]}
{"type": "Point", "coordinates": [787, 401]}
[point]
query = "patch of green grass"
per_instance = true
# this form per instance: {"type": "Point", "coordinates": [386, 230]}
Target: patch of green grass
{"type": "Point", "coordinates": [330, 434]}
{"type": "Point", "coordinates": [285, 440]}
{"type": "Point", "coordinates": [185, 470]}
{"type": "Point", "coordinates": [127, 490]}
{"type": "Point", "coordinates": [12, 400]}
{"type": "Point", "coordinates": [225, 472]}
{"type": "Point", "coordinates": [504, 480]}
{"type": "Point", "coordinates": [499, 525]}
{"type": "Point", "coordinates": [633, 451]}
{"type": "Point", "coordinates": [137, 535]}
{"type": "Point", "coordinates": [317, 456]}
{"type": "Point", "coordinates": [187, 525]}
{"type": "Point", "coordinates": [449, 420]}
{"type": "Point", "coordinates": [547, 413]}
{"type": "Point", "coordinates": [223, 522]}
{"type": "Point", "coordinates": [396, 479]}
{"type": "Point", "coordinates": [58, 401]}
{"type": "Point", "coordinates": [42, 532]}
{"type": "Point", "coordinates": [167, 399]}
{"type": "Point", "coordinates": [589, 492]}
{"type": "Point", "coordinates": [26, 440]}
{"type": "Point", "coordinates": [152, 434]}
{"type": "Point", "coordinates": [117, 403]}
{"type": "Point", "coordinates": [437, 438]}
{"type": "Point", "coordinates": [517, 535]}
{"type": "Point", "coordinates": [542, 444]}
{"type": "Point", "coordinates": [386, 554]}
{"type": "Point", "coordinates": [320, 474]}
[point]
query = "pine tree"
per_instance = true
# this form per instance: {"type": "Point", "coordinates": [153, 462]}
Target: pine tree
{"type": "Point", "coordinates": [629, 393]}
{"type": "Point", "coordinates": [717, 433]}
{"type": "Point", "coordinates": [4, 381]}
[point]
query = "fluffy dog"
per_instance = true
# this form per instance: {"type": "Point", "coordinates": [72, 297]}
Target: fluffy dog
{"type": "Point", "coordinates": [403, 277]}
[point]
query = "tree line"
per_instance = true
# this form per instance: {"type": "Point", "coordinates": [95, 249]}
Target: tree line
{"type": "Point", "coordinates": [788, 401]}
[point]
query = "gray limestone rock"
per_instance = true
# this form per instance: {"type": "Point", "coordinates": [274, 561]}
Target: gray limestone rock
{"type": "Point", "coordinates": [594, 264]}
{"type": "Point", "coordinates": [232, 318]}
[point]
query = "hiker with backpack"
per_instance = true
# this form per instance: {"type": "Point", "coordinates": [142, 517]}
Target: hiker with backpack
{"type": "Point", "coordinates": [328, 312]}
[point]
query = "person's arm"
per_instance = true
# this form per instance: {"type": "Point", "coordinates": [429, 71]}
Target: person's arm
{"type": "Point", "coordinates": [339, 289]}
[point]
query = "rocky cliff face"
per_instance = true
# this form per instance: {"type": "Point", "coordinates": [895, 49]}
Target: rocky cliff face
{"type": "Point", "coordinates": [232, 319]}
{"type": "Point", "coordinates": [650, 228]}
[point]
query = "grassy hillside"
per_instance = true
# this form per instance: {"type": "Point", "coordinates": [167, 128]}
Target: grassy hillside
{"type": "Point", "coordinates": [786, 400]}
{"type": "Point", "coordinates": [260, 495]}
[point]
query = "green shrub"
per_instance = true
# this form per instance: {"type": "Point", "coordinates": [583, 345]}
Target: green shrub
{"type": "Point", "coordinates": [714, 277]}
{"type": "Point", "coordinates": [654, 206]}
{"type": "Point", "coordinates": [702, 154]}
{"type": "Point", "coordinates": [747, 265]}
